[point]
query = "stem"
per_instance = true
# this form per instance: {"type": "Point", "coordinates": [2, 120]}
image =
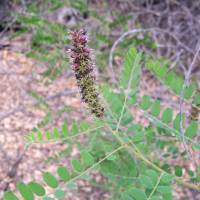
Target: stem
{"type": "Point", "coordinates": [155, 187]}
{"type": "Point", "coordinates": [92, 167]}
{"type": "Point", "coordinates": [139, 155]}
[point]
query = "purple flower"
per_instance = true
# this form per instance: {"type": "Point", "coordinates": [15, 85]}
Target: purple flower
{"type": "Point", "coordinates": [83, 66]}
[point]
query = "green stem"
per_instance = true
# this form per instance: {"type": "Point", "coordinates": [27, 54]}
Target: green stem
{"type": "Point", "coordinates": [139, 155]}
{"type": "Point", "coordinates": [155, 187]}
{"type": "Point", "coordinates": [92, 167]}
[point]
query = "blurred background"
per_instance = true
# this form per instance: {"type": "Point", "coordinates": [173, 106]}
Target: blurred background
{"type": "Point", "coordinates": [37, 87]}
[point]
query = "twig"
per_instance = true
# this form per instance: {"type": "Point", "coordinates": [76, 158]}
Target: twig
{"type": "Point", "coordinates": [186, 83]}
{"type": "Point", "coordinates": [134, 31]}
{"type": "Point", "coordinates": [8, 26]}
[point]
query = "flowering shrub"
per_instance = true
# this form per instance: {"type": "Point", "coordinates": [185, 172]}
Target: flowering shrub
{"type": "Point", "coordinates": [124, 151]}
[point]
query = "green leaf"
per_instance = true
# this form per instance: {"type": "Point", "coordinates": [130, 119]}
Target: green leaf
{"type": "Point", "coordinates": [59, 194]}
{"type": "Point", "coordinates": [196, 146]}
{"type": "Point", "coordinates": [156, 198]}
{"type": "Point", "coordinates": [155, 109]}
{"type": "Point", "coordinates": [109, 167]}
{"type": "Point", "coordinates": [87, 158]}
{"type": "Point", "coordinates": [197, 99]}
{"type": "Point", "coordinates": [118, 167]}
{"type": "Point", "coordinates": [168, 196]}
{"type": "Point", "coordinates": [127, 118]}
{"type": "Point", "coordinates": [176, 85]}
{"type": "Point", "coordinates": [167, 178]}
{"type": "Point", "coordinates": [192, 129]}
{"type": "Point", "coordinates": [134, 128]}
{"type": "Point", "coordinates": [39, 135]}
{"type": "Point", "coordinates": [32, 137]}
{"type": "Point", "coordinates": [169, 78]}
{"type": "Point", "coordinates": [132, 100]}
{"type": "Point", "coordinates": [167, 115]}
{"type": "Point", "coordinates": [131, 70]}
{"type": "Point", "coordinates": [164, 189]}
{"type": "Point", "coordinates": [50, 180]}
{"type": "Point", "coordinates": [9, 196]}
{"type": "Point", "coordinates": [153, 175]}
{"type": "Point", "coordinates": [72, 186]}
{"type": "Point", "coordinates": [190, 90]}
{"type": "Point", "coordinates": [114, 101]}
{"type": "Point", "coordinates": [63, 173]}
{"type": "Point", "coordinates": [37, 188]}
{"type": "Point", "coordinates": [56, 133]}
{"type": "Point", "coordinates": [137, 194]}
{"type": "Point", "coordinates": [76, 165]}
{"type": "Point", "coordinates": [178, 171]}
{"type": "Point", "coordinates": [112, 157]}
{"type": "Point", "coordinates": [48, 135]}
{"type": "Point", "coordinates": [65, 131]}
{"type": "Point", "coordinates": [84, 126]}
{"type": "Point", "coordinates": [75, 128]}
{"type": "Point", "coordinates": [139, 136]}
{"type": "Point", "coordinates": [41, 37]}
{"type": "Point", "coordinates": [145, 102]}
{"type": "Point", "coordinates": [126, 166]}
{"type": "Point", "coordinates": [32, 20]}
{"type": "Point", "coordinates": [125, 196]}
{"type": "Point", "coordinates": [161, 71]}
{"type": "Point", "coordinates": [190, 173]}
{"type": "Point", "coordinates": [25, 191]}
{"type": "Point", "coordinates": [107, 147]}
{"type": "Point", "coordinates": [48, 198]}
{"type": "Point", "coordinates": [176, 122]}
{"type": "Point", "coordinates": [146, 181]}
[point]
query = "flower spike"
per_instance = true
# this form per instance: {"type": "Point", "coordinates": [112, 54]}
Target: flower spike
{"type": "Point", "coordinates": [83, 66]}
